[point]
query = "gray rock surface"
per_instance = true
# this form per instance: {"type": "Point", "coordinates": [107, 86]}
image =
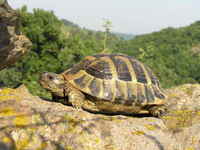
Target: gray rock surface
{"type": "Point", "coordinates": [29, 122]}
{"type": "Point", "coordinates": [13, 44]}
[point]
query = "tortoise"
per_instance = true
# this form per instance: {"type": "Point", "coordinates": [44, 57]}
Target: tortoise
{"type": "Point", "coordinates": [108, 83]}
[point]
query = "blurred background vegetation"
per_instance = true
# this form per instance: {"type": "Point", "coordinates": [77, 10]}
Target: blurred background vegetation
{"type": "Point", "coordinates": [172, 53]}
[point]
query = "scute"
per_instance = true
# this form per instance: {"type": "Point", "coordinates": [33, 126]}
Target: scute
{"type": "Point", "coordinates": [140, 94]}
{"type": "Point", "coordinates": [123, 72]}
{"type": "Point", "coordinates": [158, 93]}
{"type": "Point", "coordinates": [153, 78]}
{"type": "Point", "coordinates": [121, 91]}
{"type": "Point", "coordinates": [99, 69]}
{"type": "Point", "coordinates": [132, 92]}
{"type": "Point", "coordinates": [95, 87]}
{"type": "Point", "coordinates": [116, 78]}
{"type": "Point", "coordinates": [140, 75]}
{"type": "Point", "coordinates": [83, 81]}
{"type": "Point", "coordinates": [108, 92]}
{"type": "Point", "coordinates": [149, 94]}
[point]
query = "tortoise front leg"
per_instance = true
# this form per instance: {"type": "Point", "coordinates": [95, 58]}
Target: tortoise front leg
{"type": "Point", "coordinates": [76, 98]}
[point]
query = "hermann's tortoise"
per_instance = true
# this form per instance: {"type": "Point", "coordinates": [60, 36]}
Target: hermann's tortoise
{"type": "Point", "coordinates": [108, 83]}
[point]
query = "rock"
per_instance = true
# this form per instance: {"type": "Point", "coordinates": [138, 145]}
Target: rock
{"type": "Point", "coordinates": [13, 44]}
{"type": "Point", "coordinates": [29, 122]}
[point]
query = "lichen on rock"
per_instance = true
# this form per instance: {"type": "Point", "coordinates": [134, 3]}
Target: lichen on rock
{"type": "Point", "coordinates": [28, 122]}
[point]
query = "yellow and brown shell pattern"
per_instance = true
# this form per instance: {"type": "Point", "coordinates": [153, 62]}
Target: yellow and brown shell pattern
{"type": "Point", "coordinates": [117, 78]}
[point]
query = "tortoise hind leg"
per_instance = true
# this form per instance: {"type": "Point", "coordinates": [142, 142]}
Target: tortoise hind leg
{"type": "Point", "coordinates": [157, 110]}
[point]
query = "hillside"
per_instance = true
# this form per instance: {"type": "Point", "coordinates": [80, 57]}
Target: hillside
{"type": "Point", "coordinates": [124, 36]}
{"type": "Point", "coordinates": [58, 44]}
{"type": "Point", "coordinates": [173, 53]}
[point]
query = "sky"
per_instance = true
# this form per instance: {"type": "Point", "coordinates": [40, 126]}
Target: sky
{"type": "Point", "coordinates": [127, 16]}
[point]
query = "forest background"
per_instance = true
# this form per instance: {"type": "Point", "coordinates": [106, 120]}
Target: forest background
{"type": "Point", "coordinates": [172, 53]}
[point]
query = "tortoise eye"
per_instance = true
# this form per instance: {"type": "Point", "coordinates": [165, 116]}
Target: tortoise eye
{"type": "Point", "coordinates": [50, 77]}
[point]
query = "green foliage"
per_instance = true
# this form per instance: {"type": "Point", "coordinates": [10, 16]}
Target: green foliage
{"type": "Point", "coordinates": [59, 44]}
{"type": "Point", "coordinates": [168, 53]}
{"type": "Point", "coordinates": [10, 77]}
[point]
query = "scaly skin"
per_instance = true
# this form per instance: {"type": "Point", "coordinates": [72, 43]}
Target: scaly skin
{"type": "Point", "coordinates": [76, 98]}
{"type": "Point", "coordinates": [61, 88]}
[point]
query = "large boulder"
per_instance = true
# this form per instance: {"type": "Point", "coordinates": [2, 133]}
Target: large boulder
{"type": "Point", "coordinates": [13, 44]}
{"type": "Point", "coordinates": [29, 122]}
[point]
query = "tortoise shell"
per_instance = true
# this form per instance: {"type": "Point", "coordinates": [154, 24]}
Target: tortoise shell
{"type": "Point", "coordinates": [117, 78]}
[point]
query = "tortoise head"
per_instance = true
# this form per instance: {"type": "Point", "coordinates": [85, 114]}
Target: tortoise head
{"type": "Point", "coordinates": [53, 82]}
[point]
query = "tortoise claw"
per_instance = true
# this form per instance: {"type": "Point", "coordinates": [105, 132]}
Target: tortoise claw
{"type": "Point", "coordinates": [77, 105]}
{"type": "Point", "coordinates": [158, 111]}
